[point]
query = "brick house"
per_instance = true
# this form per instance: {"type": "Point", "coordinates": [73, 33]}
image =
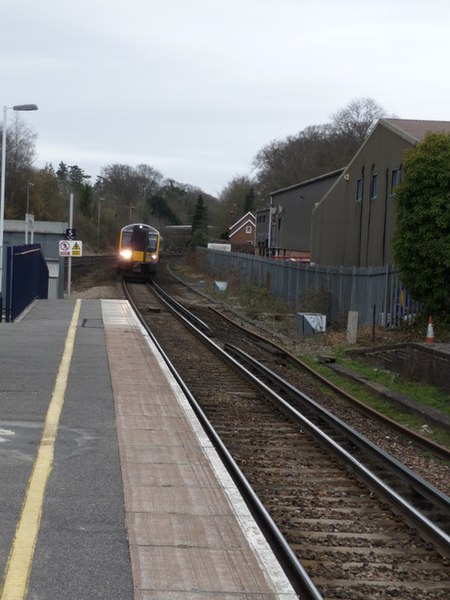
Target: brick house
{"type": "Point", "coordinates": [242, 233]}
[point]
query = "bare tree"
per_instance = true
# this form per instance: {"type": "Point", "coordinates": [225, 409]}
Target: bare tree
{"type": "Point", "coordinates": [315, 150]}
{"type": "Point", "coordinates": [355, 120]}
{"type": "Point", "coordinates": [20, 146]}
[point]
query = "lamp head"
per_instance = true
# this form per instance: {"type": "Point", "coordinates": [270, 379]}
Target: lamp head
{"type": "Point", "coordinates": [25, 107]}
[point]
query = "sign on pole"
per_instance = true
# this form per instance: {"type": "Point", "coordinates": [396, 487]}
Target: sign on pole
{"type": "Point", "coordinates": [70, 248]}
{"type": "Point", "coordinates": [64, 247]}
{"type": "Point", "coordinates": [77, 248]}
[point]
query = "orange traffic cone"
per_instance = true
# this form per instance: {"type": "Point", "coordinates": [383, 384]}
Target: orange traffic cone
{"type": "Point", "coordinates": [430, 331]}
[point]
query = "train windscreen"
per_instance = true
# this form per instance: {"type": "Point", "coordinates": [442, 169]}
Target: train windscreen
{"type": "Point", "coordinates": [152, 242]}
{"type": "Point", "coordinates": [139, 239]}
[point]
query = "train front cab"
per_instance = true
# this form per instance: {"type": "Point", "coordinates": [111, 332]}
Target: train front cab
{"type": "Point", "coordinates": [139, 251]}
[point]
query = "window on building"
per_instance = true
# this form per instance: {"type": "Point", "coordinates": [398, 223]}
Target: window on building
{"type": "Point", "coordinates": [248, 229]}
{"type": "Point", "coordinates": [396, 178]}
{"type": "Point", "coordinates": [373, 186]}
{"type": "Point", "coordinates": [359, 189]}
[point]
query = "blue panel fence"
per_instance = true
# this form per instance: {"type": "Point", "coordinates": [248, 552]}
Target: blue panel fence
{"type": "Point", "coordinates": [332, 291]}
{"type": "Point", "coordinates": [26, 279]}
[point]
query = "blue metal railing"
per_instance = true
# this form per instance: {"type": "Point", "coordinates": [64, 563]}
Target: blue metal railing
{"type": "Point", "coordinates": [26, 279]}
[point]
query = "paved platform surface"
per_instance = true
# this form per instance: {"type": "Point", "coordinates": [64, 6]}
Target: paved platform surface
{"type": "Point", "coordinates": [134, 500]}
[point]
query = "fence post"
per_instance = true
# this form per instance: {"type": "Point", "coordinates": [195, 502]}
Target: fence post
{"type": "Point", "coordinates": [9, 277]}
{"type": "Point", "coordinates": [373, 321]}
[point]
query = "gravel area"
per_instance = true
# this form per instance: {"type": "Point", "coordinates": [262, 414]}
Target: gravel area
{"type": "Point", "coordinates": [100, 291]}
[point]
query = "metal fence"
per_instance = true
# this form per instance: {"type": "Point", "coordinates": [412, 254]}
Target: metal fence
{"type": "Point", "coordinates": [26, 278]}
{"type": "Point", "coordinates": [376, 293]}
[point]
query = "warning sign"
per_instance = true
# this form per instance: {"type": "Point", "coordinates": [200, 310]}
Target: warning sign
{"type": "Point", "coordinates": [70, 248]}
{"type": "Point", "coordinates": [76, 248]}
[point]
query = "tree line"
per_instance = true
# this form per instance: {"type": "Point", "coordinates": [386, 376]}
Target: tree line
{"type": "Point", "coordinates": [311, 152]}
{"type": "Point", "coordinates": [123, 194]}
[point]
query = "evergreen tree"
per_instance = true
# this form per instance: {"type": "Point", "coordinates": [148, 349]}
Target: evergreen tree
{"type": "Point", "coordinates": [200, 224]}
{"type": "Point", "coordinates": [422, 244]}
{"type": "Point", "coordinates": [161, 210]}
{"type": "Point", "coordinates": [249, 204]}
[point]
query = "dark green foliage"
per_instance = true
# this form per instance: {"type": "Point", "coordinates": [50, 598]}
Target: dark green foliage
{"type": "Point", "coordinates": [249, 204]}
{"type": "Point", "coordinates": [72, 176]}
{"type": "Point", "coordinates": [200, 224]}
{"type": "Point", "coordinates": [86, 199]}
{"type": "Point", "coordinates": [422, 244]}
{"type": "Point", "coordinates": [162, 211]}
{"type": "Point", "coordinates": [236, 199]}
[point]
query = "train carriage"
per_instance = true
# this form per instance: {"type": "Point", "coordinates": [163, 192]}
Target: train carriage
{"type": "Point", "coordinates": [139, 251]}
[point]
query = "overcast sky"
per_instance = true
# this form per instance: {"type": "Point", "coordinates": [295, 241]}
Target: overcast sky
{"type": "Point", "coordinates": [195, 88]}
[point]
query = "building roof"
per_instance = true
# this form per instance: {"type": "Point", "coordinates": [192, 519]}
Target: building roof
{"type": "Point", "coordinates": [412, 130]}
{"type": "Point", "coordinates": [415, 130]}
{"type": "Point", "coordinates": [239, 223]}
{"type": "Point", "coordinates": [308, 181]}
{"type": "Point", "coordinates": [53, 227]}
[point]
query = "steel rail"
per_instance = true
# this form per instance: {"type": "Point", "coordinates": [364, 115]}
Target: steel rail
{"type": "Point", "coordinates": [414, 517]}
{"type": "Point", "coordinates": [179, 308]}
{"type": "Point", "coordinates": [437, 449]}
{"type": "Point", "coordinates": [295, 572]}
{"type": "Point", "coordinates": [421, 486]}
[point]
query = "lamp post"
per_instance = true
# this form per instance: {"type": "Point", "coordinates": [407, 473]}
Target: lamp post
{"type": "Point", "coordinates": [100, 200]}
{"type": "Point", "coordinates": [23, 107]}
{"type": "Point", "coordinates": [29, 217]}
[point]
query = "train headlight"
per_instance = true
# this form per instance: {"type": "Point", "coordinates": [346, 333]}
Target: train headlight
{"type": "Point", "coordinates": [126, 254]}
{"type": "Point", "coordinates": [154, 257]}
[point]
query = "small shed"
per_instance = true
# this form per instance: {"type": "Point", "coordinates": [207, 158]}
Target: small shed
{"type": "Point", "coordinates": [48, 234]}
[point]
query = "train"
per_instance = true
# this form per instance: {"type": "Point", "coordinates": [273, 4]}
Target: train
{"type": "Point", "coordinates": [139, 251]}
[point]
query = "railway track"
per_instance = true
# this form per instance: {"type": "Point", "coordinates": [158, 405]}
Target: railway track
{"type": "Point", "coordinates": [380, 429]}
{"type": "Point", "coordinates": [343, 532]}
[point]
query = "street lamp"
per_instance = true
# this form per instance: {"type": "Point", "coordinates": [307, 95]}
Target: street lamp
{"type": "Point", "coordinates": [2, 189]}
{"type": "Point", "coordinates": [29, 217]}
{"type": "Point", "coordinates": [100, 200]}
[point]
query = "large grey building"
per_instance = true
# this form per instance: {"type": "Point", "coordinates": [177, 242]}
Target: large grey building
{"type": "Point", "coordinates": [354, 223]}
{"type": "Point", "coordinates": [289, 216]}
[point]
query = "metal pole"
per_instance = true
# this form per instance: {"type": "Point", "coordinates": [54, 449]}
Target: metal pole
{"type": "Point", "coordinates": [69, 267]}
{"type": "Point", "coordinates": [98, 224]}
{"type": "Point", "coordinates": [28, 220]}
{"type": "Point", "coordinates": [26, 213]}
{"type": "Point", "coordinates": [2, 187]}
{"type": "Point", "coordinates": [2, 196]}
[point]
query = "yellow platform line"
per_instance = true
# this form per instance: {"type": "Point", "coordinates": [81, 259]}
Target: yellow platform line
{"type": "Point", "coordinates": [18, 569]}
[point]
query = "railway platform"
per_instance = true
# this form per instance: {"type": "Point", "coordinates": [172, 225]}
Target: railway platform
{"type": "Point", "coordinates": [109, 486]}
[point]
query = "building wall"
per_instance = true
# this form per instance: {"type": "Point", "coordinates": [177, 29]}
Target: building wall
{"type": "Point", "coordinates": [262, 232]}
{"type": "Point", "coordinates": [46, 233]}
{"type": "Point", "coordinates": [290, 225]}
{"type": "Point", "coordinates": [242, 237]}
{"type": "Point", "coordinates": [352, 229]}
